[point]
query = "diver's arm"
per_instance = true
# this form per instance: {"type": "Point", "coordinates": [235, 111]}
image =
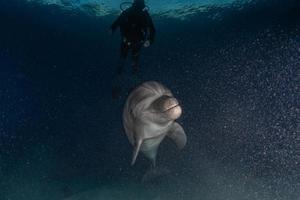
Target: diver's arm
{"type": "Point", "coordinates": [150, 27]}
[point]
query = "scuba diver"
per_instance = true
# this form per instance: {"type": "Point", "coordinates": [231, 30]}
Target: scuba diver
{"type": "Point", "coordinates": [137, 30]}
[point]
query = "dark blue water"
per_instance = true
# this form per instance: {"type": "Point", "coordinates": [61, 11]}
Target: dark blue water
{"type": "Point", "coordinates": [237, 76]}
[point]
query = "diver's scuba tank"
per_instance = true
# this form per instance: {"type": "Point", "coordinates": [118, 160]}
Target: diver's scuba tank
{"type": "Point", "coordinates": [127, 4]}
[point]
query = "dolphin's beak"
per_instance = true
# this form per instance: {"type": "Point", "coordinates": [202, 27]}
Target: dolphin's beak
{"type": "Point", "coordinates": [169, 103]}
{"type": "Point", "coordinates": [174, 112]}
{"type": "Point", "coordinates": [172, 108]}
{"type": "Point", "coordinates": [168, 106]}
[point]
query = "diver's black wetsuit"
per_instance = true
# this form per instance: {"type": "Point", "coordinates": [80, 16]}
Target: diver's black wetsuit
{"type": "Point", "coordinates": [136, 27]}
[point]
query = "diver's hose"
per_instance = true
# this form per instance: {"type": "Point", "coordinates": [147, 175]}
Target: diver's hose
{"type": "Point", "coordinates": [124, 3]}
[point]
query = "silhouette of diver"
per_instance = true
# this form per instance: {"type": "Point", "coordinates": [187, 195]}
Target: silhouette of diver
{"type": "Point", "coordinates": [137, 30]}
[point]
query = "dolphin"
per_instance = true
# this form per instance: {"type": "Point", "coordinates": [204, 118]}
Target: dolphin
{"type": "Point", "coordinates": [149, 116]}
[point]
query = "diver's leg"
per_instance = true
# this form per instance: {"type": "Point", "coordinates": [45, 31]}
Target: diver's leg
{"type": "Point", "coordinates": [135, 54]}
{"type": "Point", "coordinates": [117, 81]}
{"type": "Point", "coordinates": [136, 48]}
{"type": "Point", "coordinates": [123, 55]}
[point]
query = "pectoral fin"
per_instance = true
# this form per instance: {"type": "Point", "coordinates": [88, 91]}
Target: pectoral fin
{"type": "Point", "coordinates": [177, 134]}
{"type": "Point", "coordinates": [136, 151]}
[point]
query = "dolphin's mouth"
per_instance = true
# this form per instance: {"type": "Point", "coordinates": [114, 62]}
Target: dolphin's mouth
{"type": "Point", "coordinates": [172, 107]}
